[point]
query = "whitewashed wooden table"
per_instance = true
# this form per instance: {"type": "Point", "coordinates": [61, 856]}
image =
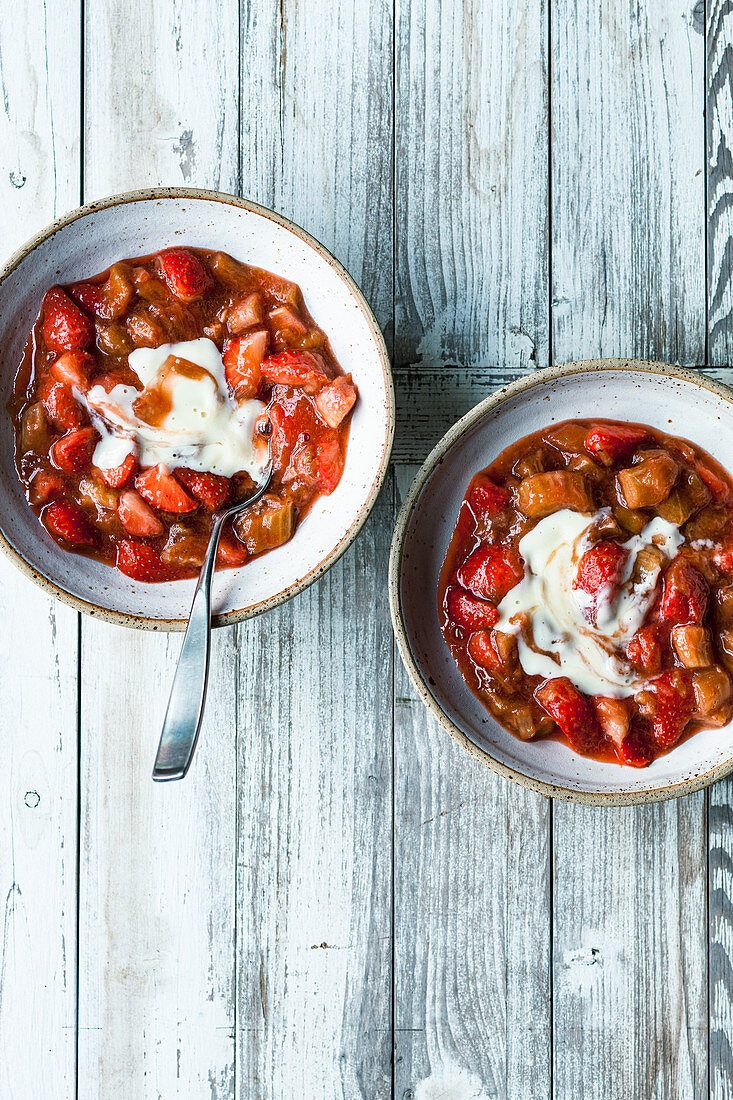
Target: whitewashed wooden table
{"type": "Point", "coordinates": [338, 902]}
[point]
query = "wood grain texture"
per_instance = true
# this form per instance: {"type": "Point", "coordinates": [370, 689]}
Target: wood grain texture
{"type": "Point", "coordinates": [628, 225]}
{"type": "Point", "coordinates": [314, 881]}
{"type": "Point", "coordinates": [315, 708]}
{"type": "Point", "coordinates": [472, 927]}
{"type": "Point", "coordinates": [719, 147]}
{"type": "Point", "coordinates": [630, 959]}
{"type": "Point", "coordinates": [39, 133]}
{"type": "Point", "coordinates": [157, 969]}
{"type": "Point", "coordinates": [719, 153]}
{"type": "Point", "coordinates": [471, 184]}
{"type": "Point", "coordinates": [472, 915]}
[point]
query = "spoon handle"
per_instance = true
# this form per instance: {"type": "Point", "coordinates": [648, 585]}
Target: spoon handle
{"type": "Point", "coordinates": [188, 693]}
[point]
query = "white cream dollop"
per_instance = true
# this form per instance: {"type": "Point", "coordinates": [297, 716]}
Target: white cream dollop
{"type": "Point", "coordinates": [567, 643]}
{"type": "Point", "coordinates": [203, 428]}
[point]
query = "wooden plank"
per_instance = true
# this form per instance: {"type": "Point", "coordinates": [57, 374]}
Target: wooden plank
{"type": "Point", "coordinates": [630, 960]}
{"type": "Point", "coordinates": [157, 862]}
{"type": "Point", "coordinates": [719, 151]}
{"type": "Point", "coordinates": [315, 710]}
{"type": "Point", "coordinates": [472, 927]}
{"type": "Point", "coordinates": [471, 179]}
{"type": "Point", "coordinates": [472, 914]}
{"type": "Point", "coordinates": [315, 783]}
{"type": "Point", "coordinates": [39, 70]}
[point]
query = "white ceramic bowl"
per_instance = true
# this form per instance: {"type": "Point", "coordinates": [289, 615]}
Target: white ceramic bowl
{"type": "Point", "coordinates": [677, 401]}
{"type": "Point", "coordinates": [141, 222]}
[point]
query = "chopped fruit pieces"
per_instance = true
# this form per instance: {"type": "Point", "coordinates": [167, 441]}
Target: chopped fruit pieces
{"type": "Point", "coordinates": [268, 524]}
{"type": "Point", "coordinates": [712, 689]}
{"type": "Point", "coordinates": [236, 358]}
{"type": "Point", "coordinates": [490, 572]}
{"type": "Point", "coordinates": [542, 494]}
{"type": "Point", "coordinates": [330, 461]}
{"type": "Point", "coordinates": [141, 562]}
{"type": "Point", "coordinates": [601, 554]}
{"type": "Point", "coordinates": [572, 712]}
{"type": "Point", "coordinates": [685, 593]}
{"type": "Point", "coordinates": [645, 650]}
{"type": "Point", "coordinates": [486, 498]}
{"type": "Point", "coordinates": [667, 702]}
{"type": "Point", "coordinates": [612, 442]}
{"type": "Point", "coordinates": [649, 482]}
{"type": "Point", "coordinates": [209, 489]}
{"type": "Point", "coordinates": [73, 368]}
{"type": "Point", "coordinates": [185, 274]}
{"type": "Point", "coordinates": [336, 400]}
{"type": "Point", "coordinates": [601, 565]}
{"type": "Point", "coordinates": [62, 409]}
{"type": "Point", "coordinates": [161, 489]}
{"type": "Point", "coordinates": [613, 716]}
{"type": "Point", "coordinates": [469, 611]}
{"type": "Point", "coordinates": [301, 369]}
{"type": "Point", "coordinates": [69, 522]}
{"type": "Point", "coordinates": [246, 313]}
{"type": "Point", "coordinates": [693, 645]}
{"type": "Point", "coordinates": [137, 517]}
{"type": "Point", "coordinates": [121, 474]}
{"type": "Point", "coordinates": [65, 326]}
{"type": "Point", "coordinates": [482, 650]}
{"type": "Point", "coordinates": [243, 363]}
{"type": "Point", "coordinates": [73, 452]}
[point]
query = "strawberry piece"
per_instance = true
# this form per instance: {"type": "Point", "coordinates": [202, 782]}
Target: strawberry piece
{"type": "Point", "coordinates": [612, 442]}
{"type": "Point", "coordinates": [635, 750]}
{"type": "Point", "coordinates": [302, 369]}
{"type": "Point", "coordinates": [141, 562]}
{"type": "Point", "coordinates": [329, 461]}
{"type": "Point", "coordinates": [231, 551]}
{"type": "Point", "coordinates": [74, 368]}
{"type": "Point", "coordinates": [137, 517]}
{"type": "Point", "coordinates": [486, 498]}
{"type": "Point", "coordinates": [469, 611]}
{"type": "Point", "coordinates": [69, 522]}
{"type": "Point", "coordinates": [159, 487]}
{"type": "Point", "coordinates": [336, 400]}
{"type": "Point", "coordinates": [65, 326]}
{"type": "Point", "coordinates": [108, 300]}
{"type": "Point", "coordinates": [121, 474]}
{"type": "Point", "coordinates": [185, 274]}
{"type": "Point", "coordinates": [211, 490]}
{"type": "Point", "coordinates": [644, 650]}
{"type": "Point", "coordinates": [572, 712]}
{"type": "Point", "coordinates": [91, 298]}
{"type": "Point", "coordinates": [242, 358]}
{"type": "Point", "coordinates": [685, 594]}
{"type": "Point", "coordinates": [599, 566]}
{"type": "Point", "coordinates": [715, 483]}
{"type": "Point", "coordinates": [61, 406]}
{"type": "Point", "coordinates": [483, 652]}
{"type": "Point", "coordinates": [491, 571]}
{"type": "Point", "coordinates": [45, 486]}
{"type": "Point", "coordinates": [667, 702]}
{"type": "Point", "coordinates": [73, 452]}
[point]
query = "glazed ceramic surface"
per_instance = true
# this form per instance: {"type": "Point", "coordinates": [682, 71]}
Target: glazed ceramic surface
{"type": "Point", "coordinates": [673, 400]}
{"type": "Point", "coordinates": [89, 240]}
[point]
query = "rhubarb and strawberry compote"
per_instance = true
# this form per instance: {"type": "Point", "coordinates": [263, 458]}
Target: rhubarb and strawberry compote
{"type": "Point", "coordinates": [141, 404]}
{"type": "Point", "coordinates": [587, 592]}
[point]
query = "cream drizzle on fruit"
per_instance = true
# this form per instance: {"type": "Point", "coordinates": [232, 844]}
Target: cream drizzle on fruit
{"type": "Point", "coordinates": [567, 642]}
{"type": "Point", "coordinates": [198, 425]}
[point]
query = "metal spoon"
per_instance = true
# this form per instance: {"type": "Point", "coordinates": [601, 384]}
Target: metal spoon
{"type": "Point", "coordinates": [188, 693]}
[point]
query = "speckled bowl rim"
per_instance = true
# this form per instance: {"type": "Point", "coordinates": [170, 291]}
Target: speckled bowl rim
{"type": "Point", "coordinates": [436, 456]}
{"type": "Point", "coordinates": [141, 622]}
